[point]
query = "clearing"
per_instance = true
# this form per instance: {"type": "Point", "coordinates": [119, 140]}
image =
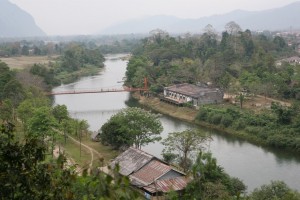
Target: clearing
{"type": "Point", "coordinates": [22, 62]}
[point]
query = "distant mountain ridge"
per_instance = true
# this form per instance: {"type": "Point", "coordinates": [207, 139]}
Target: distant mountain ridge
{"type": "Point", "coordinates": [282, 18]}
{"type": "Point", "coordinates": [15, 22]}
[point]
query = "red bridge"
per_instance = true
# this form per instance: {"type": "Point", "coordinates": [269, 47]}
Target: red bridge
{"type": "Point", "coordinates": [124, 89]}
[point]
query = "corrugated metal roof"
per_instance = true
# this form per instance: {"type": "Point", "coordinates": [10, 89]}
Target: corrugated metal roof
{"type": "Point", "coordinates": [131, 160]}
{"type": "Point", "coordinates": [166, 185]}
{"type": "Point", "coordinates": [191, 90]}
{"type": "Point", "coordinates": [149, 173]}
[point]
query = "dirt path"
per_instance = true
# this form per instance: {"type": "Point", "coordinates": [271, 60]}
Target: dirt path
{"type": "Point", "coordinates": [91, 150]}
{"type": "Point", "coordinates": [87, 147]}
{"type": "Point", "coordinates": [284, 103]}
{"type": "Point", "coordinates": [69, 162]}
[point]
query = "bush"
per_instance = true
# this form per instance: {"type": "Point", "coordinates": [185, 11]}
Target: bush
{"type": "Point", "coordinates": [214, 118]}
{"type": "Point", "coordinates": [202, 114]}
{"type": "Point", "coordinates": [226, 120]}
{"type": "Point", "coordinates": [279, 141]}
{"type": "Point", "coordinates": [239, 124]}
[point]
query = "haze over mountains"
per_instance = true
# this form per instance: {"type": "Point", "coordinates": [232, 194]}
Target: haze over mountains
{"type": "Point", "coordinates": [283, 18]}
{"type": "Point", "coordinates": [15, 22]}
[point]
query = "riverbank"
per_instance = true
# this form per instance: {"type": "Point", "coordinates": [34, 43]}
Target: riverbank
{"type": "Point", "coordinates": [182, 113]}
{"type": "Point", "coordinates": [70, 77]}
{"type": "Point", "coordinates": [189, 115]}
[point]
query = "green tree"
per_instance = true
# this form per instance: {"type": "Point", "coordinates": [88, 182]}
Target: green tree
{"type": "Point", "coordinates": [60, 112]}
{"type": "Point", "coordinates": [6, 111]}
{"type": "Point", "coordinates": [24, 176]}
{"type": "Point", "coordinates": [284, 114]}
{"type": "Point", "coordinates": [211, 182]}
{"type": "Point", "coordinates": [42, 125]}
{"type": "Point", "coordinates": [276, 190]}
{"type": "Point", "coordinates": [184, 144]}
{"type": "Point", "coordinates": [241, 98]}
{"type": "Point", "coordinates": [140, 127]}
{"type": "Point", "coordinates": [10, 88]}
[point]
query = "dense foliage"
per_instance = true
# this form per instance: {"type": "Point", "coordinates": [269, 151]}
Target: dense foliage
{"type": "Point", "coordinates": [273, 191]}
{"type": "Point", "coordinates": [76, 61]}
{"type": "Point", "coordinates": [25, 174]}
{"type": "Point", "coordinates": [10, 87]}
{"type": "Point", "coordinates": [278, 127]}
{"type": "Point", "coordinates": [180, 147]}
{"type": "Point", "coordinates": [26, 168]}
{"type": "Point", "coordinates": [131, 126]}
{"type": "Point", "coordinates": [237, 60]}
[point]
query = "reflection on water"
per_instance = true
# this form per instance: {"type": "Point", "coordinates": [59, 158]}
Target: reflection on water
{"type": "Point", "coordinates": [253, 164]}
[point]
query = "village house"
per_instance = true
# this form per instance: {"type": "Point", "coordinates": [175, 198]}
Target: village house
{"type": "Point", "coordinates": [295, 60]}
{"type": "Point", "coordinates": [195, 95]}
{"type": "Point", "coordinates": [149, 174]}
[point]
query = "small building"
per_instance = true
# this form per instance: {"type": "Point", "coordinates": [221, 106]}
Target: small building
{"type": "Point", "coordinates": [295, 60]}
{"type": "Point", "coordinates": [131, 161]}
{"type": "Point", "coordinates": [152, 176]}
{"type": "Point", "coordinates": [156, 178]}
{"type": "Point", "coordinates": [196, 95]}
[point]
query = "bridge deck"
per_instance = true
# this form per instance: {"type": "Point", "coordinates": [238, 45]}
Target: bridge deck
{"type": "Point", "coordinates": [125, 89]}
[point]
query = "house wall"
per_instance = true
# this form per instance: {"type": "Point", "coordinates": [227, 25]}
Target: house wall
{"type": "Point", "coordinates": [177, 96]}
{"type": "Point", "coordinates": [211, 98]}
{"type": "Point", "coordinates": [206, 98]}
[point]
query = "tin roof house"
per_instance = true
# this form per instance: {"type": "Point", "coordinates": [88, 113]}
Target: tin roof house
{"type": "Point", "coordinates": [150, 174]}
{"type": "Point", "coordinates": [193, 94]}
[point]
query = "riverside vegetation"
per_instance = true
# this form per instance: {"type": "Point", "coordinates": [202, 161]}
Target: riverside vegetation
{"type": "Point", "coordinates": [240, 63]}
{"type": "Point", "coordinates": [28, 174]}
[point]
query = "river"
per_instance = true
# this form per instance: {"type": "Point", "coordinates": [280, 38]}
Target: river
{"type": "Point", "coordinates": [253, 164]}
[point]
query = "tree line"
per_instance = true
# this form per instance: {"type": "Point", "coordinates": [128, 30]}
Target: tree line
{"type": "Point", "coordinates": [239, 62]}
{"type": "Point", "coordinates": [236, 60]}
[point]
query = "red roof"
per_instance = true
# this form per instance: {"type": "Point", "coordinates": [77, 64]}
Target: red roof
{"type": "Point", "coordinates": [131, 160]}
{"type": "Point", "coordinates": [166, 185]}
{"type": "Point", "coordinates": [149, 173]}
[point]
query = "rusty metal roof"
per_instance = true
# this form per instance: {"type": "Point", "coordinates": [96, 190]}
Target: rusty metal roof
{"type": "Point", "coordinates": [131, 160]}
{"type": "Point", "coordinates": [191, 90]}
{"type": "Point", "coordinates": [166, 185]}
{"type": "Point", "coordinates": [149, 173]}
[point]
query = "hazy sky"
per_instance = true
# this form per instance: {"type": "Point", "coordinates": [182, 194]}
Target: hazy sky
{"type": "Point", "coordinates": [69, 17]}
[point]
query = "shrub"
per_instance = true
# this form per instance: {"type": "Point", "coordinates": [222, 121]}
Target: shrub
{"type": "Point", "coordinates": [226, 120]}
{"type": "Point", "coordinates": [215, 118]}
{"type": "Point", "coordinates": [202, 114]}
{"type": "Point", "coordinates": [239, 124]}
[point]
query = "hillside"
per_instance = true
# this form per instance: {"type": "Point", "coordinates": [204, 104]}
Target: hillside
{"type": "Point", "coordinates": [282, 18]}
{"type": "Point", "coordinates": [15, 22]}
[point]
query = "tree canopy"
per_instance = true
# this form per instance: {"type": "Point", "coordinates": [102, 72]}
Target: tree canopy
{"type": "Point", "coordinates": [184, 144]}
{"type": "Point", "coordinates": [131, 126]}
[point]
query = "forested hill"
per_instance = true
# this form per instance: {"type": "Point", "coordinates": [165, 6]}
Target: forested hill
{"type": "Point", "coordinates": [235, 61]}
{"type": "Point", "coordinates": [239, 62]}
{"type": "Point", "coordinates": [15, 22]}
{"type": "Point", "coordinates": [282, 18]}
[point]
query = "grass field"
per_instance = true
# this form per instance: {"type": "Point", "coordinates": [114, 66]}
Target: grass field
{"type": "Point", "coordinates": [103, 158]}
{"type": "Point", "coordinates": [25, 61]}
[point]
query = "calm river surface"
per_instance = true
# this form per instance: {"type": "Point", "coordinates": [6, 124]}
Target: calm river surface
{"type": "Point", "coordinates": [252, 164]}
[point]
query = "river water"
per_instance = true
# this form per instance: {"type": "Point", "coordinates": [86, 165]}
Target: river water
{"type": "Point", "coordinates": [252, 164]}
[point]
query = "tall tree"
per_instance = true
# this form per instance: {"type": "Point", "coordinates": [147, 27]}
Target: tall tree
{"type": "Point", "coordinates": [184, 144]}
{"type": "Point", "coordinates": [140, 127]}
{"type": "Point", "coordinates": [60, 112]}
{"type": "Point", "coordinates": [273, 191]}
{"type": "Point", "coordinates": [211, 182]}
{"type": "Point", "coordinates": [42, 125]}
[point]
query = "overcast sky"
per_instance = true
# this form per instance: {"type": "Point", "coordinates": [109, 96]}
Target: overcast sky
{"type": "Point", "coordinates": [69, 17]}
